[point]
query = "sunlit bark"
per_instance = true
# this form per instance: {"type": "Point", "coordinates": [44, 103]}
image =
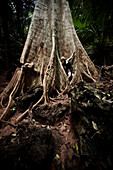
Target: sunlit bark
{"type": "Point", "coordinates": [51, 36]}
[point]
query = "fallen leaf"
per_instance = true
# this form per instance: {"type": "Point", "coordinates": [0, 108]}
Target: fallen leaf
{"type": "Point", "coordinates": [48, 127]}
{"type": "Point", "coordinates": [27, 137]}
{"type": "Point", "coordinates": [14, 134]}
{"type": "Point", "coordinates": [43, 126]}
{"type": "Point", "coordinates": [12, 140]}
{"type": "Point", "coordinates": [104, 98]}
{"type": "Point", "coordinates": [108, 95]}
{"type": "Point", "coordinates": [94, 125]}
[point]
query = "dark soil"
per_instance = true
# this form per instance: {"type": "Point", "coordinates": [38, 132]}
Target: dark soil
{"type": "Point", "coordinates": [66, 134]}
{"type": "Point", "coordinates": [44, 139]}
{"type": "Point", "coordinates": [92, 110]}
{"type": "Point", "coordinates": [46, 142]}
{"type": "Point", "coordinates": [28, 148]}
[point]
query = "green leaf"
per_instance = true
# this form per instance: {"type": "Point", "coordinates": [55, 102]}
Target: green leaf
{"type": "Point", "coordinates": [74, 147]}
{"type": "Point", "coordinates": [26, 28]}
{"type": "Point", "coordinates": [34, 121]}
{"type": "Point", "coordinates": [13, 109]}
{"type": "Point", "coordinates": [30, 14]}
{"type": "Point", "coordinates": [57, 156]}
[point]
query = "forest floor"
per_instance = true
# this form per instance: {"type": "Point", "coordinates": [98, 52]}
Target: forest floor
{"type": "Point", "coordinates": [47, 138]}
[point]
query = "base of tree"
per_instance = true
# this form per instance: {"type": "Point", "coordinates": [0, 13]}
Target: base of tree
{"type": "Point", "coordinates": [73, 131]}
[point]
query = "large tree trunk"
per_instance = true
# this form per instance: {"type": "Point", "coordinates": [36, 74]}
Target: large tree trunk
{"type": "Point", "coordinates": [51, 36]}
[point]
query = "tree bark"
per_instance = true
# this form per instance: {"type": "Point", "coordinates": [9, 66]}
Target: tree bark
{"type": "Point", "coordinates": [51, 36]}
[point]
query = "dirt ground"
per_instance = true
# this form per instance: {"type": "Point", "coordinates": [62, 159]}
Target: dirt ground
{"type": "Point", "coordinates": [44, 139]}
{"type": "Point", "coordinates": [47, 138]}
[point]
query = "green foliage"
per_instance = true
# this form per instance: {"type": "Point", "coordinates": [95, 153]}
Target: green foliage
{"type": "Point", "coordinates": [13, 109]}
{"type": "Point", "coordinates": [57, 156]}
{"type": "Point", "coordinates": [93, 21]}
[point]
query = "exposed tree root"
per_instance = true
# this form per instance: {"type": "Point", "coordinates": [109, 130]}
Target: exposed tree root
{"type": "Point", "coordinates": [39, 101]}
{"type": "Point", "coordinates": [9, 87]}
{"type": "Point", "coordinates": [22, 116]}
{"type": "Point", "coordinates": [55, 30]}
{"type": "Point", "coordinates": [15, 84]}
{"type": "Point", "coordinates": [11, 101]}
{"type": "Point", "coordinates": [8, 123]}
{"type": "Point", "coordinates": [48, 78]}
{"type": "Point", "coordinates": [48, 82]}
